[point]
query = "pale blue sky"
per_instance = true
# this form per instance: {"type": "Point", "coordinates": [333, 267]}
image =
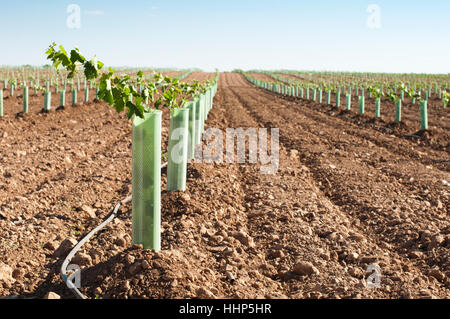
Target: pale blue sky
{"type": "Point", "coordinates": [247, 34]}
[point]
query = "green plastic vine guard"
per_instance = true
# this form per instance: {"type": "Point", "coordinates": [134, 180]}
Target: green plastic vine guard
{"type": "Point", "coordinates": [147, 180]}
{"type": "Point", "coordinates": [74, 97]}
{"type": "Point", "coordinates": [208, 101]}
{"type": "Point", "coordinates": [328, 97]}
{"type": "Point", "coordinates": [302, 93]}
{"type": "Point", "coordinates": [320, 96]}
{"type": "Point", "coordinates": [348, 102]}
{"type": "Point", "coordinates": [178, 150]}
{"type": "Point", "coordinates": [5, 85]}
{"type": "Point", "coordinates": [307, 93]}
{"type": "Point", "coordinates": [398, 111]}
{"type": "Point", "coordinates": [86, 95]}
{"type": "Point", "coordinates": [11, 92]}
{"type": "Point", "coordinates": [361, 104]}
{"type": "Point", "coordinates": [203, 114]}
{"type": "Point", "coordinates": [314, 95]}
{"type": "Point", "coordinates": [25, 99]}
{"type": "Point", "coordinates": [198, 121]}
{"type": "Point", "coordinates": [48, 101]}
{"type": "Point", "coordinates": [192, 129]}
{"type": "Point", "coordinates": [338, 99]}
{"type": "Point", "coordinates": [1, 104]}
{"type": "Point", "coordinates": [62, 98]}
{"type": "Point", "coordinates": [424, 115]}
{"type": "Point", "coordinates": [378, 108]}
{"type": "Point", "coordinates": [206, 104]}
{"type": "Point", "coordinates": [211, 99]}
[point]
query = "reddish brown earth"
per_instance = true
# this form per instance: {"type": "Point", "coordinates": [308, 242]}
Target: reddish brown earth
{"type": "Point", "coordinates": [346, 196]}
{"type": "Point", "coordinates": [199, 76]}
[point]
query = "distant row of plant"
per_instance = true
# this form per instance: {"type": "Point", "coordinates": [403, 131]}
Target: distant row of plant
{"type": "Point", "coordinates": [313, 91]}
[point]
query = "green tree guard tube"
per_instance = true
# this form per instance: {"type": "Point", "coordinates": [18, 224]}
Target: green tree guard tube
{"type": "Point", "coordinates": [47, 101]}
{"type": "Point", "coordinates": [378, 108]}
{"type": "Point", "coordinates": [47, 86]}
{"type": "Point", "coordinates": [5, 84]}
{"type": "Point", "coordinates": [1, 104]}
{"type": "Point", "coordinates": [302, 93]}
{"type": "Point", "coordinates": [147, 180]}
{"type": "Point", "coordinates": [338, 99]}
{"type": "Point", "coordinates": [329, 97]}
{"type": "Point", "coordinates": [314, 95]}
{"type": "Point", "coordinates": [348, 102]}
{"type": "Point", "coordinates": [206, 106]}
{"type": "Point", "coordinates": [320, 96]}
{"type": "Point", "coordinates": [398, 111]}
{"type": "Point", "coordinates": [204, 114]}
{"type": "Point", "coordinates": [74, 97]}
{"type": "Point", "coordinates": [192, 129]}
{"type": "Point", "coordinates": [208, 101]}
{"type": "Point", "coordinates": [424, 115]}
{"type": "Point", "coordinates": [62, 98]}
{"type": "Point", "coordinates": [426, 95]}
{"type": "Point", "coordinates": [86, 95]}
{"type": "Point", "coordinates": [25, 99]}
{"type": "Point", "coordinates": [198, 121]}
{"type": "Point", "coordinates": [307, 93]}
{"type": "Point", "coordinates": [178, 150]}
{"type": "Point", "coordinates": [361, 104]}
{"type": "Point", "coordinates": [402, 96]}
{"type": "Point", "coordinates": [11, 92]}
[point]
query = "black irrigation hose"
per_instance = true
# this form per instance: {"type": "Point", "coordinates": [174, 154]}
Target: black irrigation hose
{"type": "Point", "coordinates": [68, 279]}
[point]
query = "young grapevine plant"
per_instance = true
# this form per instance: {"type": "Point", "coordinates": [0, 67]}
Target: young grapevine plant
{"type": "Point", "coordinates": [120, 91]}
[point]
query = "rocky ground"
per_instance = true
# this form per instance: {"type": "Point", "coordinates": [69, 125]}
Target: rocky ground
{"type": "Point", "coordinates": [347, 195]}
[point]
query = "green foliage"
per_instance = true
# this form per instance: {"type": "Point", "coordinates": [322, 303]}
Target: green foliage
{"type": "Point", "coordinates": [119, 91]}
{"type": "Point", "coordinates": [73, 62]}
{"type": "Point", "coordinates": [375, 91]}
{"type": "Point", "coordinates": [445, 97]}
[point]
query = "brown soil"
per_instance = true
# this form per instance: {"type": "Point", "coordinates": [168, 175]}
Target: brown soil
{"type": "Point", "coordinates": [347, 195]}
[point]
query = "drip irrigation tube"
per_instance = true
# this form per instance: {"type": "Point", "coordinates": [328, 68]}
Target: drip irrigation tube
{"type": "Point", "coordinates": [68, 279]}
